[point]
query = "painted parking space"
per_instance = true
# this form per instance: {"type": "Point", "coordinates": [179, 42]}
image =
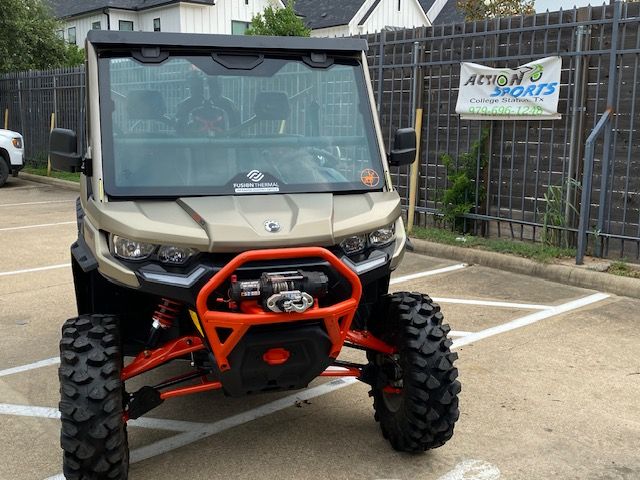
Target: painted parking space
{"type": "Point", "coordinates": [523, 344]}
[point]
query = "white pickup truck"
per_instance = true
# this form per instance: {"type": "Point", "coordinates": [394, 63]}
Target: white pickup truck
{"type": "Point", "coordinates": [11, 154]}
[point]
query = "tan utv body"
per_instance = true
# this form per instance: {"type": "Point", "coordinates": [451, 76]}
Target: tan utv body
{"type": "Point", "coordinates": [236, 211]}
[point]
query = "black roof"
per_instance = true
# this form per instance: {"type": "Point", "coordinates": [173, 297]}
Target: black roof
{"type": "Point", "coordinates": [327, 13]}
{"type": "Point", "coordinates": [198, 40]}
{"type": "Point", "coordinates": [449, 14]}
{"type": "Point", "coordinates": [331, 13]}
{"type": "Point", "coordinates": [426, 4]}
{"type": "Point", "coordinates": [70, 8]}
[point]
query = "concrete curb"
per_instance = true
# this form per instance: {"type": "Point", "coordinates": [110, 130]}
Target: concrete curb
{"type": "Point", "coordinates": [51, 181]}
{"type": "Point", "coordinates": [565, 274]}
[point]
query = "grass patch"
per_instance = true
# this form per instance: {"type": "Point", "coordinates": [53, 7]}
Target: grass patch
{"type": "Point", "coordinates": [74, 177]}
{"type": "Point", "coordinates": [622, 268]}
{"type": "Point", "coordinates": [535, 251]}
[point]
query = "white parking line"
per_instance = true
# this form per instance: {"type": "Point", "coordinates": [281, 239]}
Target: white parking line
{"type": "Point", "coordinates": [177, 441]}
{"type": "Point", "coordinates": [491, 303]}
{"type": "Point", "coordinates": [37, 269]}
{"type": "Point", "coordinates": [36, 226]}
{"type": "Point", "coordinates": [413, 276]}
{"type": "Point", "coordinates": [530, 319]}
{"type": "Point", "coordinates": [459, 333]}
{"type": "Point", "coordinates": [30, 366]}
{"type": "Point", "coordinates": [472, 470]}
{"type": "Point", "coordinates": [35, 203]}
{"type": "Point", "coordinates": [48, 412]}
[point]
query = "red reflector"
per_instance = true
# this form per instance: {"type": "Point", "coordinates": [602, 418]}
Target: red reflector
{"type": "Point", "coordinates": [276, 356]}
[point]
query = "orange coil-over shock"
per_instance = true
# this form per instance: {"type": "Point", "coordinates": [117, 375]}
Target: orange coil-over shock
{"type": "Point", "coordinates": [163, 317]}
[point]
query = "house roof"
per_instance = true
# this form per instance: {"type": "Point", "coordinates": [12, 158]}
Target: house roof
{"type": "Point", "coordinates": [331, 13]}
{"type": "Point", "coordinates": [327, 13]}
{"type": "Point", "coordinates": [71, 8]}
{"type": "Point", "coordinates": [426, 4]}
{"type": "Point", "coordinates": [449, 14]}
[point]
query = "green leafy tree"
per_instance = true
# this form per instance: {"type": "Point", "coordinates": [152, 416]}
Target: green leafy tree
{"type": "Point", "coordinates": [481, 9]}
{"type": "Point", "coordinates": [282, 22]}
{"type": "Point", "coordinates": [28, 38]}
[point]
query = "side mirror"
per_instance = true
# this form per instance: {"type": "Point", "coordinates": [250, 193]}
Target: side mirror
{"type": "Point", "coordinates": [404, 148]}
{"type": "Point", "coordinates": [63, 146]}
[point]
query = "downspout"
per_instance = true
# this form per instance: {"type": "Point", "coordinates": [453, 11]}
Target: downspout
{"type": "Point", "coordinates": [105, 12]}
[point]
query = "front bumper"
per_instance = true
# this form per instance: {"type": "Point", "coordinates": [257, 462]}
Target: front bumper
{"type": "Point", "coordinates": [15, 169]}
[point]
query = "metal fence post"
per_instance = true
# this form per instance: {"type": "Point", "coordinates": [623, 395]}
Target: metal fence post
{"type": "Point", "coordinates": [383, 35]}
{"type": "Point", "coordinates": [577, 114]}
{"type": "Point", "coordinates": [416, 121]}
{"type": "Point", "coordinates": [20, 105]}
{"type": "Point", "coordinates": [587, 178]}
{"type": "Point", "coordinates": [606, 148]}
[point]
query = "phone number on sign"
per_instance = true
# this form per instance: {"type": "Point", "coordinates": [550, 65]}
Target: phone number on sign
{"type": "Point", "coordinates": [507, 110]}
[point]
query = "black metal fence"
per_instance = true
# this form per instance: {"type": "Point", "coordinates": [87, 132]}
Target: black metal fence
{"type": "Point", "coordinates": [532, 178]}
{"type": "Point", "coordinates": [529, 174]}
{"type": "Point", "coordinates": [29, 99]}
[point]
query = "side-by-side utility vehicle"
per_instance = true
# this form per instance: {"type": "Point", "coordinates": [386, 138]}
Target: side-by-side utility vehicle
{"type": "Point", "coordinates": [236, 211]}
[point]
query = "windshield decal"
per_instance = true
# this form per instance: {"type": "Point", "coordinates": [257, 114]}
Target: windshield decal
{"type": "Point", "coordinates": [260, 183]}
{"type": "Point", "coordinates": [370, 177]}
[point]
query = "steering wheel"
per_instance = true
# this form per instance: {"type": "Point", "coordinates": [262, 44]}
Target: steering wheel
{"type": "Point", "coordinates": [207, 119]}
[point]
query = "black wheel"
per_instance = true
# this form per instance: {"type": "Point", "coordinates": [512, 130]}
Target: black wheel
{"type": "Point", "coordinates": [415, 395]}
{"type": "Point", "coordinates": [94, 433]}
{"type": "Point", "coordinates": [4, 171]}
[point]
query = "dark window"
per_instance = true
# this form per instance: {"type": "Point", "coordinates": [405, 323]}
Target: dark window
{"type": "Point", "coordinates": [156, 24]}
{"type": "Point", "coordinates": [71, 35]}
{"type": "Point", "coordinates": [125, 25]}
{"type": "Point", "coordinates": [399, 4]}
{"type": "Point", "coordinates": [96, 25]}
{"type": "Point", "coordinates": [238, 28]}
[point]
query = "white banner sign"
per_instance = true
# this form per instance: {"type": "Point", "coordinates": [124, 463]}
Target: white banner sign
{"type": "Point", "coordinates": [529, 92]}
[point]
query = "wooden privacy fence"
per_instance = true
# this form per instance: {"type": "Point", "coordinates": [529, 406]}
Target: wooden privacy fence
{"type": "Point", "coordinates": [529, 176]}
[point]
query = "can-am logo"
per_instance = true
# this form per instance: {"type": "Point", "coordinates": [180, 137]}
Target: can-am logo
{"type": "Point", "coordinates": [255, 175]}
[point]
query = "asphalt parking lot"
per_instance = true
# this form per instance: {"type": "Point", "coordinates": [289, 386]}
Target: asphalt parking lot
{"type": "Point", "coordinates": [550, 377]}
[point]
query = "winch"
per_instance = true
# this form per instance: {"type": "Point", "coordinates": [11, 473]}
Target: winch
{"type": "Point", "coordinates": [292, 291]}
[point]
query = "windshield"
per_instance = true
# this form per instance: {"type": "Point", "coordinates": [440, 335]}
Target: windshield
{"type": "Point", "coordinates": [241, 124]}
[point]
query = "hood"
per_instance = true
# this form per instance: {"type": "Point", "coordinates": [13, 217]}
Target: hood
{"type": "Point", "coordinates": [237, 223]}
{"type": "Point", "coordinates": [9, 133]}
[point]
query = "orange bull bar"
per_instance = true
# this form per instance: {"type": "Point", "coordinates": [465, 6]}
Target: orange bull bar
{"type": "Point", "coordinates": [337, 318]}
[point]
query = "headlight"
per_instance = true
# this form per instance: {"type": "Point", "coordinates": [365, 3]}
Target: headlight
{"type": "Point", "coordinates": [131, 249]}
{"type": "Point", "coordinates": [17, 142]}
{"type": "Point", "coordinates": [383, 235]}
{"type": "Point", "coordinates": [175, 255]}
{"type": "Point", "coordinates": [354, 244]}
{"type": "Point", "coordinates": [378, 238]}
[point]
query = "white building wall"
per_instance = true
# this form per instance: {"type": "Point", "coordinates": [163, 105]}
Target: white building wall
{"type": "Point", "coordinates": [169, 19]}
{"type": "Point", "coordinates": [339, 31]}
{"type": "Point", "coordinates": [218, 18]}
{"type": "Point", "coordinates": [117, 15]}
{"type": "Point", "coordinates": [83, 25]}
